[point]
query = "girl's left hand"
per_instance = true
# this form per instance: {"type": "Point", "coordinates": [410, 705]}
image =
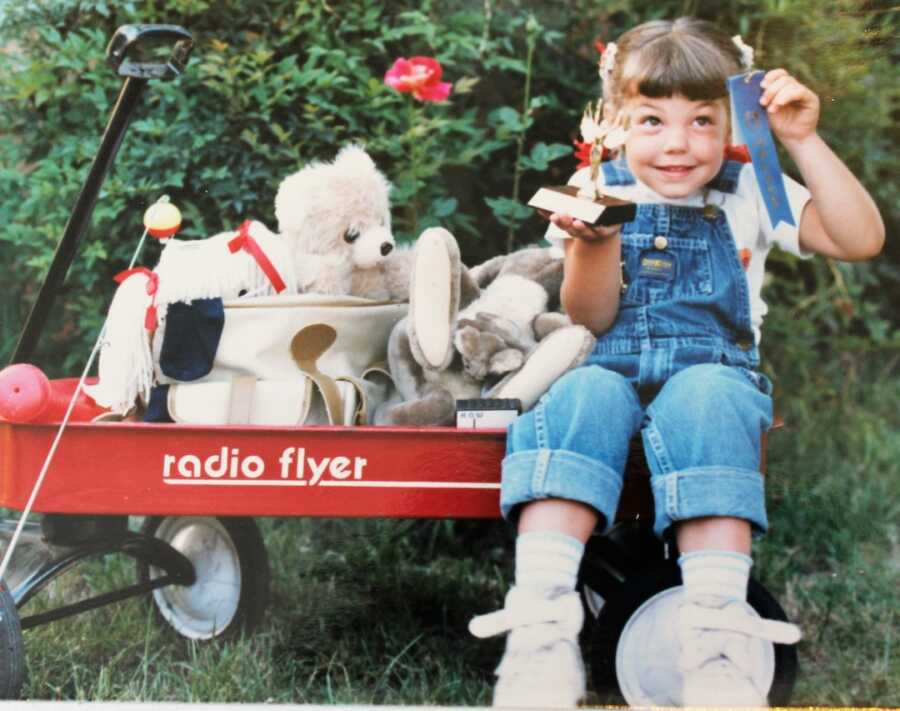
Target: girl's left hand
{"type": "Point", "coordinates": [793, 108]}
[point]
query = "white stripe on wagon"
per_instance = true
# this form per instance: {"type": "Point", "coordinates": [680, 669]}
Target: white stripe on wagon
{"type": "Point", "coordinates": [369, 484]}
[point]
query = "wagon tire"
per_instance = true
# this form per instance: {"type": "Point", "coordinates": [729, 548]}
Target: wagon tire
{"type": "Point", "coordinates": [231, 592]}
{"type": "Point", "coordinates": [638, 589]}
{"type": "Point", "coordinates": [12, 652]}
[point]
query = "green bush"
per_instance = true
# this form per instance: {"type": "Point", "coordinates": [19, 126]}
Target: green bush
{"type": "Point", "coordinates": [277, 83]}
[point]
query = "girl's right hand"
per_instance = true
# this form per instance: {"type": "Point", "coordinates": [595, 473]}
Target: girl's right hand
{"type": "Point", "coordinates": [582, 230]}
{"type": "Point", "coordinates": [793, 108]}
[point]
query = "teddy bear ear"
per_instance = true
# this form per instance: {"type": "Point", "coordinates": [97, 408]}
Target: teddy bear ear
{"type": "Point", "coordinates": [354, 160]}
{"type": "Point", "coordinates": [354, 156]}
{"type": "Point", "coordinates": [287, 211]}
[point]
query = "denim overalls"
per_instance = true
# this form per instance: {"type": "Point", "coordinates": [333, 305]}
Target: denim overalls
{"type": "Point", "coordinates": [675, 366]}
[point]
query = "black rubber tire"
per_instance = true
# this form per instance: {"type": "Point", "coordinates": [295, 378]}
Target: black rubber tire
{"type": "Point", "coordinates": [242, 545]}
{"type": "Point", "coordinates": [12, 648]}
{"type": "Point", "coordinates": [639, 588]}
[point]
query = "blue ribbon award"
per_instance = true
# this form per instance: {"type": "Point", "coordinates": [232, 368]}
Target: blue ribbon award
{"type": "Point", "coordinates": [753, 128]}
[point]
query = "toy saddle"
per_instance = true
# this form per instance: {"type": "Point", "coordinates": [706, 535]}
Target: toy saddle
{"type": "Point", "coordinates": [215, 335]}
{"type": "Point", "coordinates": [275, 360]}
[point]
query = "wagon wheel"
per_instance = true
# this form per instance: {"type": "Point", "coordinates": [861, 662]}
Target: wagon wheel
{"type": "Point", "coordinates": [612, 559]}
{"type": "Point", "coordinates": [232, 587]}
{"type": "Point", "coordinates": [613, 633]}
{"type": "Point", "coordinates": [12, 649]}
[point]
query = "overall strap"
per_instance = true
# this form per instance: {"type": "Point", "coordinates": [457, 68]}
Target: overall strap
{"type": "Point", "coordinates": [726, 180]}
{"type": "Point", "coordinates": [616, 172]}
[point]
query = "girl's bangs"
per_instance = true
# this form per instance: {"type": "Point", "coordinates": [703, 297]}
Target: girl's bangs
{"type": "Point", "coordinates": [662, 72]}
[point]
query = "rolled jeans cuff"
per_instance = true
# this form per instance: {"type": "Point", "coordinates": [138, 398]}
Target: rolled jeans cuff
{"type": "Point", "coordinates": [709, 491]}
{"type": "Point", "coordinates": [535, 474]}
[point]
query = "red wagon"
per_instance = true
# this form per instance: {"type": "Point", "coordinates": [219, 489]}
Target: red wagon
{"type": "Point", "coordinates": [199, 552]}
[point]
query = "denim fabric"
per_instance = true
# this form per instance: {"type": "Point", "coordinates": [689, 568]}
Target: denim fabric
{"type": "Point", "coordinates": [191, 338]}
{"type": "Point", "coordinates": [158, 405]}
{"type": "Point", "coordinates": [676, 366]}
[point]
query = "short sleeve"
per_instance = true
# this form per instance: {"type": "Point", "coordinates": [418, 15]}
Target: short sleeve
{"type": "Point", "coordinates": [786, 236]}
{"type": "Point", "coordinates": [582, 180]}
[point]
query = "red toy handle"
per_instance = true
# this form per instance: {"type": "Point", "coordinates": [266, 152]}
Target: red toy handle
{"type": "Point", "coordinates": [27, 395]}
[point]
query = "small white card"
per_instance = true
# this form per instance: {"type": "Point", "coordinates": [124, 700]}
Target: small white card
{"type": "Point", "coordinates": [485, 419]}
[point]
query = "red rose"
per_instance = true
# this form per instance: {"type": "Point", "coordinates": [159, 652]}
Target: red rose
{"type": "Point", "coordinates": [420, 76]}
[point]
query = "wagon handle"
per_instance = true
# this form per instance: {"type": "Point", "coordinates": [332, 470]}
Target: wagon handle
{"type": "Point", "coordinates": [128, 39]}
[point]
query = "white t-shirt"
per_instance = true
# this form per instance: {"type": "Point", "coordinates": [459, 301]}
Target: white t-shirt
{"type": "Point", "coordinates": [745, 212]}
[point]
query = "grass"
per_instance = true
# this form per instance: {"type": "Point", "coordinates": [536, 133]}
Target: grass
{"type": "Point", "coordinates": [834, 552]}
{"type": "Point", "coordinates": [375, 611]}
{"type": "Point", "coordinates": [361, 612]}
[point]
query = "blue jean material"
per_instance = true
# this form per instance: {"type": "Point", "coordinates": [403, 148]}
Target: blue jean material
{"type": "Point", "coordinates": [676, 367]}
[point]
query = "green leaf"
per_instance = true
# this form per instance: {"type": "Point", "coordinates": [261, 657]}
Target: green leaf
{"type": "Point", "coordinates": [442, 207]}
{"type": "Point", "coordinates": [543, 154]}
{"type": "Point", "coordinates": [465, 85]}
{"type": "Point", "coordinates": [507, 64]}
{"type": "Point", "coordinates": [506, 118]}
{"type": "Point", "coordinates": [510, 210]}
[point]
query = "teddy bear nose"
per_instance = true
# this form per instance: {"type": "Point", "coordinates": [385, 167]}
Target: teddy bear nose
{"type": "Point", "coordinates": [386, 248]}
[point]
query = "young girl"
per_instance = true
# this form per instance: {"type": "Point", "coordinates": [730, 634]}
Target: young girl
{"type": "Point", "coordinates": [679, 332]}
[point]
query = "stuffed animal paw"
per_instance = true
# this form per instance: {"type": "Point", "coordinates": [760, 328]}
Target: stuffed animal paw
{"type": "Point", "coordinates": [546, 323]}
{"type": "Point", "coordinates": [564, 349]}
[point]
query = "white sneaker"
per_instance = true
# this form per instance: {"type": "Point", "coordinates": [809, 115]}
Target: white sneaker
{"type": "Point", "coordinates": [724, 657]}
{"type": "Point", "coordinates": [542, 665]}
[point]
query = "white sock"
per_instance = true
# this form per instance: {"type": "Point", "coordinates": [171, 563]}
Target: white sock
{"type": "Point", "coordinates": [548, 561]}
{"type": "Point", "coordinates": [721, 573]}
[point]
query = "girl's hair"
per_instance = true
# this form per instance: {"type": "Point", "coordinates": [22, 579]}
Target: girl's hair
{"type": "Point", "coordinates": [663, 58]}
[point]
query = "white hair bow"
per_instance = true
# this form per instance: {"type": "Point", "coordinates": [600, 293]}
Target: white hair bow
{"type": "Point", "coordinates": [745, 50]}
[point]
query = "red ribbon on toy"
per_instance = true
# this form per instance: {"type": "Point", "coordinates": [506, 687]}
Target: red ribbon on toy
{"type": "Point", "coordinates": [251, 246]}
{"type": "Point", "coordinates": [150, 321]}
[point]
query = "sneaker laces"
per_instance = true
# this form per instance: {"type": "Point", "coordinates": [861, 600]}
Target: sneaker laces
{"type": "Point", "coordinates": [542, 665]}
{"type": "Point", "coordinates": [708, 629]}
{"type": "Point", "coordinates": [523, 609]}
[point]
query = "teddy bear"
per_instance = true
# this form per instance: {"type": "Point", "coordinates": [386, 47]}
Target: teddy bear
{"type": "Point", "coordinates": [335, 217]}
{"type": "Point", "coordinates": [491, 331]}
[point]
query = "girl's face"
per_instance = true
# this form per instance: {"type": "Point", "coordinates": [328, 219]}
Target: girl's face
{"type": "Point", "coordinates": [675, 145]}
